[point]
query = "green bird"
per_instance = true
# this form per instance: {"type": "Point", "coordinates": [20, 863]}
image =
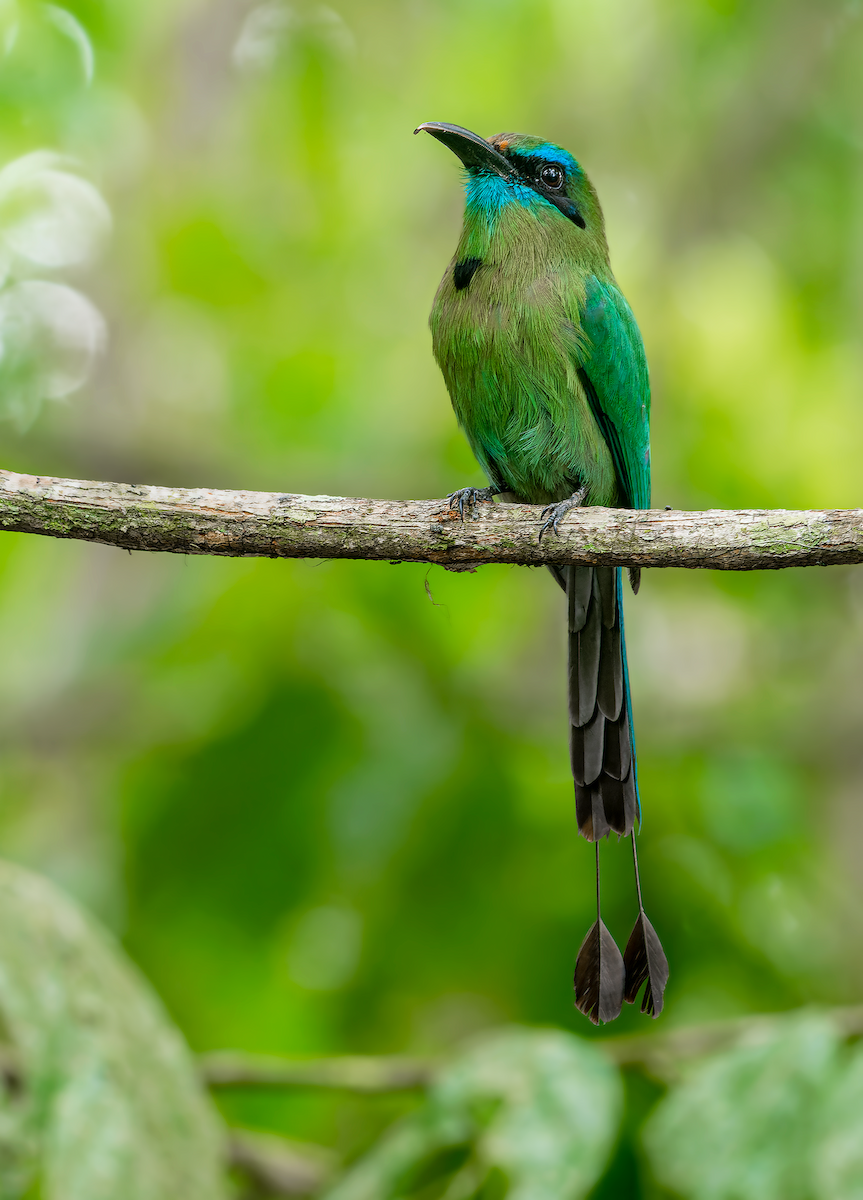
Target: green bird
{"type": "Point", "coordinates": [547, 373]}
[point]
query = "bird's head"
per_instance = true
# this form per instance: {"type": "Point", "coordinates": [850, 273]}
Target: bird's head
{"type": "Point", "coordinates": [517, 168]}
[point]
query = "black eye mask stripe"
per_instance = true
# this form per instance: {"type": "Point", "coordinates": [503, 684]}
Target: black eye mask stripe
{"type": "Point", "coordinates": [568, 207]}
{"type": "Point", "coordinates": [528, 170]}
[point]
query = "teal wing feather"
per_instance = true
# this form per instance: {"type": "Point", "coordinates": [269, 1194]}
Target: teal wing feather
{"type": "Point", "coordinates": [613, 371]}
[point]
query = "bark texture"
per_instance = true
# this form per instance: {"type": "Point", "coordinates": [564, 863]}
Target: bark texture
{"type": "Point", "coordinates": [270, 525]}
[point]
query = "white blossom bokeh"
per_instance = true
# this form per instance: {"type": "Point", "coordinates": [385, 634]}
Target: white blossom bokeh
{"type": "Point", "coordinates": [51, 221]}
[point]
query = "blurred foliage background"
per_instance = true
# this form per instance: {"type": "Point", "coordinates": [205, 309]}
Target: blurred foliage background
{"type": "Point", "coordinates": [327, 806]}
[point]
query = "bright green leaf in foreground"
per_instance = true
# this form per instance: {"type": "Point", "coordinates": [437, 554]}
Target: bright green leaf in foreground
{"type": "Point", "coordinates": [837, 1167]}
{"type": "Point", "coordinates": [110, 1107]}
{"type": "Point", "coordinates": [531, 1115]}
{"type": "Point", "coordinates": [747, 1124]}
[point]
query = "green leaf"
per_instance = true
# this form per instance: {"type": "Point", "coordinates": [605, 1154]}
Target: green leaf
{"type": "Point", "coordinates": [744, 1126]}
{"type": "Point", "coordinates": [111, 1106]}
{"type": "Point", "coordinates": [530, 1114]}
{"type": "Point", "coordinates": [838, 1157]}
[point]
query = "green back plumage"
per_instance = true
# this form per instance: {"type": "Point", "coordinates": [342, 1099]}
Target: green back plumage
{"type": "Point", "coordinates": [539, 349]}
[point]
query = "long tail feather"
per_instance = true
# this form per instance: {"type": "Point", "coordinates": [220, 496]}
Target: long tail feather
{"type": "Point", "coordinates": [645, 962]}
{"type": "Point", "coordinates": [600, 976]}
{"type": "Point", "coordinates": [644, 958]}
{"type": "Point", "coordinates": [601, 745]}
{"type": "Point", "coordinates": [604, 771]}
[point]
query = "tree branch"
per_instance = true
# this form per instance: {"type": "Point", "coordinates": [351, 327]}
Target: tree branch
{"type": "Point", "coordinates": [230, 1069]}
{"type": "Point", "coordinates": [266, 524]}
{"type": "Point", "coordinates": [661, 1054]}
{"type": "Point", "coordinates": [277, 1166]}
{"type": "Point", "coordinates": [664, 1054]}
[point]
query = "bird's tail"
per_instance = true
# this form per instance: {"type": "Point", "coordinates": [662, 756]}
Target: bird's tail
{"type": "Point", "coordinates": [601, 744]}
{"type": "Point", "coordinates": [604, 770]}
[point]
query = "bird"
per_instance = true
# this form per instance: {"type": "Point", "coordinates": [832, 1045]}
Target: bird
{"type": "Point", "coordinates": [547, 374]}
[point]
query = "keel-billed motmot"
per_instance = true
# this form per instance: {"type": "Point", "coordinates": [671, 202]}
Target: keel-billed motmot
{"type": "Point", "coordinates": [547, 374]}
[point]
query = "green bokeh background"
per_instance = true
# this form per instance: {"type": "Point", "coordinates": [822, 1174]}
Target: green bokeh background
{"type": "Point", "coordinates": [327, 805]}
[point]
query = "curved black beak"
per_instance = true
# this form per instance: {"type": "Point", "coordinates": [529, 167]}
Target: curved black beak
{"type": "Point", "coordinates": [475, 152]}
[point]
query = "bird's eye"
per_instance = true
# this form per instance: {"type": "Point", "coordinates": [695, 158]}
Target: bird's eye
{"type": "Point", "coordinates": [551, 177]}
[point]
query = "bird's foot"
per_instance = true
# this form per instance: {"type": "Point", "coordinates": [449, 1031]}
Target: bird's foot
{"type": "Point", "coordinates": [555, 512]}
{"type": "Point", "coordinates": [469, 496]}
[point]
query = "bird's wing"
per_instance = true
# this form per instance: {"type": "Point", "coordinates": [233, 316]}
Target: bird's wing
{"type": "Point", "coordinates": [613, 371]}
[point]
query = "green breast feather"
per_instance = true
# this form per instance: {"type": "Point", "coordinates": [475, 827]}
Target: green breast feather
{"type": "Point", "coordinates": [547, 377]}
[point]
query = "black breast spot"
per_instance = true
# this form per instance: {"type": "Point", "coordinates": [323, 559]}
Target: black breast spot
{"type": "Point", "coordinates": [465, 271]}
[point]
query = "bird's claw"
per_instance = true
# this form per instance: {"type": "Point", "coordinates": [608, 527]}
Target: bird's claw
{"type": "Point", "coordinates": [469, 496]}
{"type": "Point", "coordinates": [552, 521]}
{"type": "Point", "coordinates": [559, 510]}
